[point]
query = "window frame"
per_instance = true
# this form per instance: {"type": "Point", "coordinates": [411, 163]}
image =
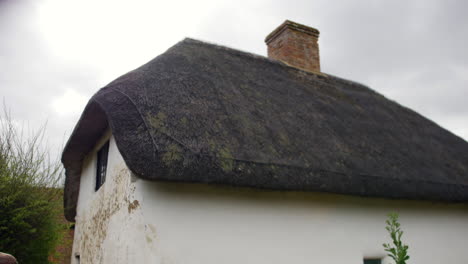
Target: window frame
{"type": "Point", "coordinates": [102, 157]}
{"type": "Point", "coordinates": [372, 261]}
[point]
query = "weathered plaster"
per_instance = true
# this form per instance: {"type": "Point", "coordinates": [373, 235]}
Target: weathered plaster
{"type": "Point", "coordinates": [106, 217]}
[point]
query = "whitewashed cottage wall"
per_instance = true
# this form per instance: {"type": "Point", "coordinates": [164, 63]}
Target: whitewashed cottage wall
{"type": "Point", "coordinates": [109, 220]}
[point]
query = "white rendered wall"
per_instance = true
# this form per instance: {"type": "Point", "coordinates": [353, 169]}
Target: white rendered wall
{"type": "Point", "coordinates": [108, 223]}
{"type": "Point", "coordinates": [202, 224]}
{"type": "Point", "coordinates": [173, 223]}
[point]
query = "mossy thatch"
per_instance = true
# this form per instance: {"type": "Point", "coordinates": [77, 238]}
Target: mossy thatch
{"type": "Point", "coordinates": [209, 114]}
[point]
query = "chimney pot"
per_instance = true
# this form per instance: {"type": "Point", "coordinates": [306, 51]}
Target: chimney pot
{"type": "Point", "coordinates": [296, 45]}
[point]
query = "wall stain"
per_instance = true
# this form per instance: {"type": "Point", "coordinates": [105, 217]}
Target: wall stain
{"type": "Point", "coordinates": [133, 206]}
{"type": "Point", "coordinates": [113, 196]}
{"type": "Point", "coordinates": [149, 240]}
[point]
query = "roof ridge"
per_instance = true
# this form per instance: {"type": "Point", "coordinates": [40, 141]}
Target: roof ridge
{"type": "Point", "coordinates": [321, 75]}
{"type": "Point", "coordinates": [246, 54]}
{"type": "Point", "coordinates": [229, 49]}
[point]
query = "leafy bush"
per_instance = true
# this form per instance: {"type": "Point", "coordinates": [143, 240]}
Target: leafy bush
{"type": "Point", "coordinates": [29, 197]}
{"type": "Point", "coordinates": [398, 251]}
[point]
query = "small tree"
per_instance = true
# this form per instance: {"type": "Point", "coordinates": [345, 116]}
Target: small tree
{"type": "Point", "coordinates": [398, 251]}
{"type": "Point", "coordinates": [30, 196]}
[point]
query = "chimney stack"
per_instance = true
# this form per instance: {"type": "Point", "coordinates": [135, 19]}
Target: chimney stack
{"type": "Point", "coordinates": [296, 45]}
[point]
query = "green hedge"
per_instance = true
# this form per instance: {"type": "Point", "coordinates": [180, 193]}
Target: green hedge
{"type": "Point", "coordinates": [29, 197]}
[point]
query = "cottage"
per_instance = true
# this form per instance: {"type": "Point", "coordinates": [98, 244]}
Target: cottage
{"type": "Point", "coordinates": [207, 154]}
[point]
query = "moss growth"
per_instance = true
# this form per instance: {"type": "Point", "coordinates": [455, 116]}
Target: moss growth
{"type": "Point", "coordinates": [226, 159]}
{"type": "Point", "coordinates": [172, 154]}
{"type": "Point", "coordinates": [157, 121]}
{"type": "Point", "coordinates": [271, 149]}
{"type": "Point", "coordinates": [284, 139]}
{"type": "Point", "coordinates": [211, 144]}
{"type": "Point", "coordinates": [184, 121]}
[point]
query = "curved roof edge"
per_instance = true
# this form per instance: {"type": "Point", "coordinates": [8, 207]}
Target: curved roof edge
{"type": "Point", "coordinates": [91, 126]}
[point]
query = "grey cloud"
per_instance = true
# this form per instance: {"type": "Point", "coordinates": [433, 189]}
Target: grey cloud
{"type": "Point", "coordinates": [31, 76]}
{"type": "Point", "coordinates": [414, 52]}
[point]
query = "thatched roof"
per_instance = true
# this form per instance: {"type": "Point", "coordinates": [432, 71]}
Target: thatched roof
{"type": "Point", "coordinates": [209, 114]}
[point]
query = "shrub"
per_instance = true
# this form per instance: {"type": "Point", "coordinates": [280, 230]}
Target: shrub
{"type": "Point", "coordinates": [398, 251]}
{"type": "Point", "coordinates": [29, 194]}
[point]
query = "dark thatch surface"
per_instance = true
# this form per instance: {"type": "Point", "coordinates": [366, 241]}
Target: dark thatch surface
{"type": "Point", "coordinates": [209, 114]}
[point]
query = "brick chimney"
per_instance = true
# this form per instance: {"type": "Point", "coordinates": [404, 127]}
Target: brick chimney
{"type": "Point", "coordinates": [296, 45]}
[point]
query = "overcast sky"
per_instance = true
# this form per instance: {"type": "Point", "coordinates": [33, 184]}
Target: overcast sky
{"type": "Point", "coordinates": [55, 54]}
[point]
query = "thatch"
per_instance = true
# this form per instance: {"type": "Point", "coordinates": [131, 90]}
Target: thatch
{"type": "Point", "coordinates": [209, 114]}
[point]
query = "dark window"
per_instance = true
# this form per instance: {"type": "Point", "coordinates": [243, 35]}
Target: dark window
{"type": "Point", "coordinates": [372, 261]}
{"type": "Point", "coordinates": [101, 165]}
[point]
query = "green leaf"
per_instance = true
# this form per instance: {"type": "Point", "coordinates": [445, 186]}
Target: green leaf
{"type": "Point", "coordinates": [399, 251]}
